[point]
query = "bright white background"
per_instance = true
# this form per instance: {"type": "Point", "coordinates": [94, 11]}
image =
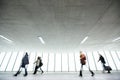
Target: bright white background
{"type": "Point", "coordinates": [59, 62]}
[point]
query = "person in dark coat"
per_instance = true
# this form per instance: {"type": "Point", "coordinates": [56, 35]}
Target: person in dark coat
{"type": "Point", "coordinates": [25, 61]}
{"type": "Point", "coordinates": [83, 62]}
{"type": "Point", "coordinates": [101, 58]}
{"type": "Point", "coordinates": [38, 65]}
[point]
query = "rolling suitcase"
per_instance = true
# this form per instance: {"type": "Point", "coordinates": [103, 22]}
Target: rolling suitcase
{"type": "Point", "coordinates": [108, 68]}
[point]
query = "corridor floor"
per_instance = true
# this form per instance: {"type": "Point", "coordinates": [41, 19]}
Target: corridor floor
{"type": "Point", "coordinates": [61, 76]}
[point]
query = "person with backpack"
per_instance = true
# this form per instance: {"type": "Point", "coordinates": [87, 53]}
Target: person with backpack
{"type": "Point", "coordinates": [38, 65]}
{"type": "Point", "coordinates": [83, 62]}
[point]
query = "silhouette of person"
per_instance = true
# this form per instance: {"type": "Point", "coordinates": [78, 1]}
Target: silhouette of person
{"type": "Point", "coordinates": [101, 58]}
{"type": "Point", "coordinates": [83, 62]}
{"type": "Point", "coordinates": [25, 61]}
{"type": "Point", "coordinates": [38, 65]}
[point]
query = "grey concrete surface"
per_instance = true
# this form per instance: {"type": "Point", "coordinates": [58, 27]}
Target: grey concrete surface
{"type": "Point", "coordinates": [61, 76]}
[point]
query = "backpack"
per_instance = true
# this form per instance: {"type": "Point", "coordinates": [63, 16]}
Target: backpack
{"type": "Point", "coordinates": [40, 64]}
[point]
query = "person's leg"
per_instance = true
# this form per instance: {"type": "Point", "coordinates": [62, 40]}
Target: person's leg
{"type": "Point", "coordinates": [103, 67]}
{"type": "Point", "coordinates": [35, 70]}
{"type": "Point", "coordinates": [92, 73]}
{"type": "Point", "coordinates": [41, 70]}
{"type": "Point", "coordinates": [18, 72]}
{"type": "Point", "coordinates": [36, 67]}
{"type": "Point", "coordinates": [81, 70]}
{"type": "Point", "coordinates": [25, 72]}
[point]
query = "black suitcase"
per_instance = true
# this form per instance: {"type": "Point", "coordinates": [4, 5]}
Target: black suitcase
{"type": "Point", "coordinates": [108, 68]}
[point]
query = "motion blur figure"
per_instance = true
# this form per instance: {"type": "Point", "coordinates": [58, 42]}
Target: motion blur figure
{"type": "Point", "coordinates": [83, 62]}
{"type": "Point", "coordinates": [25, 61]}
{"type": "Point", "coordinates": [101, 58]}
{"type": "Point", "coordinates": [105, 68]}
{"type": "Point", "coordinates": [38, 65]}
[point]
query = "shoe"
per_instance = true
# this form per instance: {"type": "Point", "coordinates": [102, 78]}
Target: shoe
{"type": "Point", "coordinates": [80, 74]}
{"type": "Point", "coordinates": [18, 72]}
{"type": "Point", "coordinates": [93, 74]}
{"type": "Point", "coordinates": [42, 72]}
{"type": "Point", "coordinates": [15, 74]}
{"type": "Point", "coordinates": [108, 72]}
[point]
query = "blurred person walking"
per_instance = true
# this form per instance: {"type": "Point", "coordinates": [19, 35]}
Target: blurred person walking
{"type": "Point", "coordinates": [24, 63]}
{"type": "Point", "coordinates": [83, 62]}
{"type": "Point", "coordinates": [38, 65]}
{"type": "Point", "coordinates": [103, 62]}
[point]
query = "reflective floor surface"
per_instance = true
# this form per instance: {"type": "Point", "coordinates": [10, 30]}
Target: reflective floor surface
{"type": "Point", "coordinates": [61, 76]}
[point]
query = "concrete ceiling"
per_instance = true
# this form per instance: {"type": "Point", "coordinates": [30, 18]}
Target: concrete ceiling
{"type": "Point", "coordinates": [63, 24]}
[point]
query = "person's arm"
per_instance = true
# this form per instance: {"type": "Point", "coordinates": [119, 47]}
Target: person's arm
{"type": "Point", "coordinates": [99, 59]}
{"type": "Point", "coordinates": [34, 62]}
